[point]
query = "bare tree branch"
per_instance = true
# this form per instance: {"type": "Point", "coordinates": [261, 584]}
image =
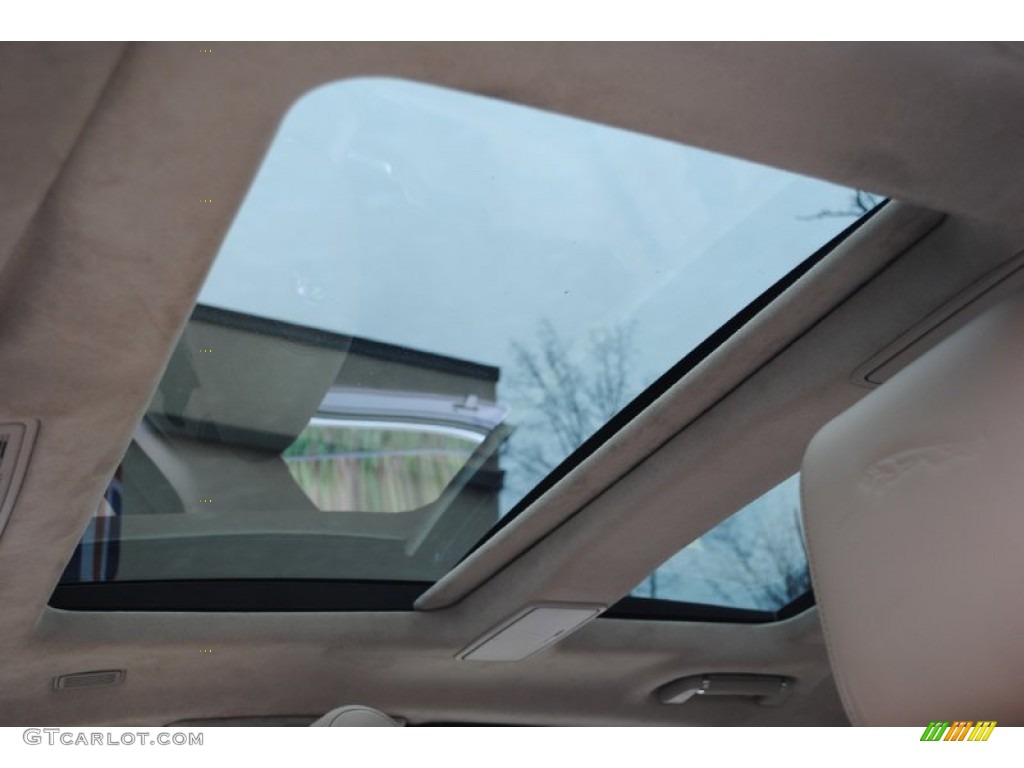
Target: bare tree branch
{"type": "Point", "coordinates": [861, 203]}
{"type": "Point", "coordinates": [574, 392]}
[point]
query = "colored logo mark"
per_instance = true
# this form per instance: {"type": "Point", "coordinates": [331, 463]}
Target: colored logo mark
{"type": "Point", "coordinates": [960, 730]}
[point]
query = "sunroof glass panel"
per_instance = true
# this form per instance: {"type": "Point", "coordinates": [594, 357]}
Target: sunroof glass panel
{"type": "Point", "coordinates": [754, 559]}
{"type": "Point", "coordinates": [427, 301]}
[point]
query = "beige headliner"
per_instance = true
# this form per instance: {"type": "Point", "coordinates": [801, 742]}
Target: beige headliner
{"type": "Point", "coordinates": [106, 151]}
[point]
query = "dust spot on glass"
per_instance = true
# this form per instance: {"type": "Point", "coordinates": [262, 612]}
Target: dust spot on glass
{"type": "Point", "coordinates": [308, 291]}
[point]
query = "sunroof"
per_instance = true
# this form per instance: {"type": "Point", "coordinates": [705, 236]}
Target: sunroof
{"type": "Point", "coordinates": [426, 303]}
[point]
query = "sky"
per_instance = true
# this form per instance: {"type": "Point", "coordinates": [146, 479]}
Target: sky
{"type": "Point", "coordinates": [456, 224]}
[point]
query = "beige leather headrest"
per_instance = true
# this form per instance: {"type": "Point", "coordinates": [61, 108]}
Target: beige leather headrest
{"type": "Point", "coordinates": [913, 504]}
{"type": "Point", "coordinates": [353, 716]}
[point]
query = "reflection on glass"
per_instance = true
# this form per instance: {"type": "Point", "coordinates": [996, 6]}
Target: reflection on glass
{"type": "Point", "coordinates": [276, 450]}
{"type": "Point", "coordinates": [375, 468]}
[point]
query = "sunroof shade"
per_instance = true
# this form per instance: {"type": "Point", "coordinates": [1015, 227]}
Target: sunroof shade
{"type": "Point", "coordinates": [427, 301]}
